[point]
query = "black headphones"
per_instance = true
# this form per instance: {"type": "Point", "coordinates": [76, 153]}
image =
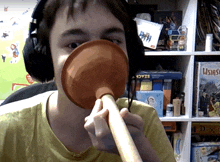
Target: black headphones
{"type": "Point", "coordinates": [38, 61]}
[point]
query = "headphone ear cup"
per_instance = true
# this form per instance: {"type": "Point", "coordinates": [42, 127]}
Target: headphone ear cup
{"type": "Point", "coordinates": [38, 63]}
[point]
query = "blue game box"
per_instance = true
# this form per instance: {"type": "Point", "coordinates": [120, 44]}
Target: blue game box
{"type": "Point", "coordinates": [153, 98]}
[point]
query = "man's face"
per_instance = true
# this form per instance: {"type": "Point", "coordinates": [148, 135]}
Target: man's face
{"type": "Point", "coordinates": [97, 22]}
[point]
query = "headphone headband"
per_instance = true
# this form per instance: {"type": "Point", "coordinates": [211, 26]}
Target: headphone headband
{"type": "Point", "coordinates": [38, 10]}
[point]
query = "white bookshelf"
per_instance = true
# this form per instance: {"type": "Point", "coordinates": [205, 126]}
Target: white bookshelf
{"type": "Point", "coordinates": [185, 63]}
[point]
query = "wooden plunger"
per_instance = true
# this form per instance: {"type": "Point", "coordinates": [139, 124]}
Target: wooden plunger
{"type": "Point", "coordinates": [99, 69]}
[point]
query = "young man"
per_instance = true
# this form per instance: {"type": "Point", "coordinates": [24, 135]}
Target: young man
{"type": "Point", "coordinates": [49, 127]}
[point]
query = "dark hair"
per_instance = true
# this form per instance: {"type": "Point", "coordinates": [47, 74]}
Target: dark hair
{"type": "Point", "coordinates": [52, 6]}
{"type": "Point", "coordinates": [119, 8]}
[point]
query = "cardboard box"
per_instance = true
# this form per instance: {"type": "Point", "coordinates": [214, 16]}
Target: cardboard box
{"type": "Point", "coordinates": [153, 98]}
{"type": "Point", "coordinates": [169, 126]}
{"type": "Point", "coordinates": [205, 151]}
{"type": "Point", "coordinates": [205, 128]}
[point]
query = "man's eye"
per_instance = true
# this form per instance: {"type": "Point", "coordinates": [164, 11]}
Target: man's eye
{"type": "Point", "coordinates": [116, 41]}
{"type": "Point", "coordinates": [73, 45]}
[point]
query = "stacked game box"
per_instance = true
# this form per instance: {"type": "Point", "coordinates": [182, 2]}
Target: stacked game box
{"type": "Point", "coordinates": [154, 88]}
{"type": "Point", "coordinates": [207, 89]}
{"type": "Point", "coordinates": [205, 152]}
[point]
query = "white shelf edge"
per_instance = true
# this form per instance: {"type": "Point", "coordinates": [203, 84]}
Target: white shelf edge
{"type": "Point", "coordinates": [187, 119]}
{"type": "Point", "coordinates": [167, 53]}
{"type": "Point", "coordinates": [198, 53]}
{"type": "Point", "coordinates": [180, 53]}
{"type": "Point", "coordinates": [174, 119]}
{"type": "Point", "coordinates": [205, 119]}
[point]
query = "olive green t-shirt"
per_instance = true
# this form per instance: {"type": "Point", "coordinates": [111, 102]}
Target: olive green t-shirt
{"type": "Point", "coordinates": [26, 136]}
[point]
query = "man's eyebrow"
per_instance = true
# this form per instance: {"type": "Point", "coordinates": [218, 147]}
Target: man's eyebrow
{"type": "Point", "coordinates": [81, 32]}
{"type": "Point", "coordinates": [113, 30]}
{"type": "Point", "coordinates": [72, 32]}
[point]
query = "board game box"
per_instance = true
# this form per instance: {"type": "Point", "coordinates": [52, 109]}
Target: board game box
{"type": "Point", "coordinates": [153, 98]}
{"type": "Point", "coordinates": [159, 75]}
{"type": "Point", "coordinates": [205, 152]}
{"type": "Point", "coordinates": [206, 102]}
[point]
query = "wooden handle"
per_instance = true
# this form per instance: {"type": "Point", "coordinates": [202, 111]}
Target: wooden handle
{"type": "Point", "coordinates": [120, 133]}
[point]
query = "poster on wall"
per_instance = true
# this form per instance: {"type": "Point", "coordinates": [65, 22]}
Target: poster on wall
{"type": "Point", "coordinates": [14, 24]}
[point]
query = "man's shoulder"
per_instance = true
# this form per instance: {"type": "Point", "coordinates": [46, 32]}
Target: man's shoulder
{"type": "Point", "coordinates": [25, 104]}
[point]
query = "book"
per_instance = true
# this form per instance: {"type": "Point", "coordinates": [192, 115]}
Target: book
{"type": "Point", "coordinates": [206, 101]}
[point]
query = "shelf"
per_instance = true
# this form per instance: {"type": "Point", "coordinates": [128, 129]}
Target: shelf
{"type": "Point", "coordinates": [203, 53]}
{"type": "Point", "coordinates": [186, 119]}
{"type": "Point", "coordinates": [174, 119]}
{"type": "Point", "coordinates": [180, 53]}
{"type": "Point", "coordinates": [183, 61]}
{"type": "Point", "coordinates": [167, 53]}
{"type": "Point", "coordinates": [205, 119]}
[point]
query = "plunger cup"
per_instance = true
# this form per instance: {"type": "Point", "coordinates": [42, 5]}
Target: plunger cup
{"type": "Point", "coordinates": [99, 69]}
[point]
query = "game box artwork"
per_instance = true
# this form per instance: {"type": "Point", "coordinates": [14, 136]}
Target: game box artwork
{"type": "Point", "coordinates": [207, 89]}
{"type": "Point", "coordinates": [171, 21]}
